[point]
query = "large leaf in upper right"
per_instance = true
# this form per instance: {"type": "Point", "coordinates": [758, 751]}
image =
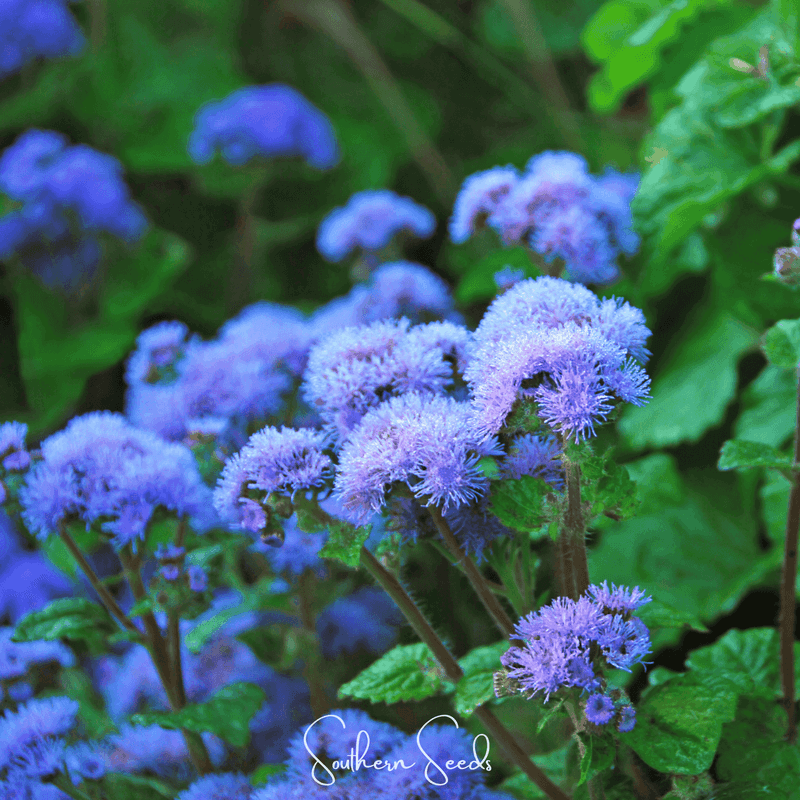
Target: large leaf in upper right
{"type": "Point", "coordinates": [692, 391]}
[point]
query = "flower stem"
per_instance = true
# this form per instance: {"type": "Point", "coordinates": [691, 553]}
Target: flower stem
{"type": "Point", "coordinates": [318, 697]}
{"type": "Point", "coordinates": [428, 635]}
{"type": "Point", "coordinates": [788, 580]}
{"type": "Point", "coordinates": [167, 671]}
{"type": "Point", "coordinates": [572, 568]}
{"type": "Point", "coordinates": [105, 596]}
{"type": "Point", "coordinates": [486, 595]}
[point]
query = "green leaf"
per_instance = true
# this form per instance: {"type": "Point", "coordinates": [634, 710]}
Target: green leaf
{"type": "Point", "coordinates": [519, 504]}
{"type": "Point", "coordinates": [743, 662]}
{"type": "Point", "coordinates": [407, 672]}
{"type": "Point", "coordinates": [477, 685]}
{"type": "Point", "coordinates": [741, 454]}
{"type": "Point", "coordinates": [782, 343]}
{"type": "Point", "coordinates": [657, 480]}
{"type": "Point", "coordinates": [753, 749]}
{"type": "Point", "coordinates": [265, 771]}
{"type": "Point", "coordinates": [679, 725]}
{"type": "Point", "coordinates": [606, 485]}
{"type": "Point", "coordinates": [660, 615]}
{"type": "Point", "coordinates": [69, 618]}
{"type": "Point", "coordinates": [477, 282]}
{"type": "Point", "coordinates": [227, 714]}
{"type": "Point", "coordinates": [124, 786]}
{"type": "Point", "coordinates": [769, 408]}
{"type": "Point", "coordinates": [774, 494]}
{"type": "Point", "coordinates": [692, 391]}
{"type": "Point", "coordinates": [345, 542]}
{"type": "Point", "coordinates": [598, 756]}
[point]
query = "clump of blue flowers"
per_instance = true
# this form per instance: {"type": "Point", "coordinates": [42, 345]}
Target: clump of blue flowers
{"type": "Point", "coordinates": [556, 208]}
{"type": "Point", "coordinates": [568, 644]}
{"type": "Point", "coordinates": [263, 122]}
{"type": "Point", "coordinates": [31, 29]}
{"type": "Point", "coordinates": [67, 197]}
{"type": "Point", "coordinates": [369, 221]}
{"type": "Point", "coordinates": [561, 347]}
{"type": "Point", "coordinates": [102, 469]}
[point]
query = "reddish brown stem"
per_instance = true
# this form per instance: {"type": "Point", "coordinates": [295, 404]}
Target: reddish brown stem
{"type": "Point", "coordinates": [572, 568]}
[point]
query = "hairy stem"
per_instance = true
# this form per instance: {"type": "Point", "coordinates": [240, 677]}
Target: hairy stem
{"type": "Point", "coordinates": [463, 561]}
{"type": "Point", "coordinates": [572, 568]}
{"type": "Point", "coordinates": [160, 655]}
{"type": "Point", "coordinates": [788, 580]}
{"type": "Point", "coordinates": [105, 596]}
{"type": "Point", "coordinates": [428, 635]}
{"type": "Point", "coordinates": [318, 697]}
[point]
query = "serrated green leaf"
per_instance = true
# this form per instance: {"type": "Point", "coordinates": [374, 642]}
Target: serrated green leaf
{"type": "Point", "coordinates": [741, 454]}
{"type": "Point", "coordinates": [477, 685]}
{"type": "Point", "coordinates": [69, 618]}
{"type": "Point", "coordinates": [597, 757]}
{"type": "Point", "coordinates": [227, 714]}
{"type": "Point", "coordinates": [519, 504]}
{"type": "Point", "coordinates": [345, 542]}
{"type": "Point", "coordinates": [692, 391]}
{"type": "Point", "coordinates": [606, 485]}
{"type": "Point", "coordinates": [407, 672]}
{"type": "Point", "coordinates": [781, 343]}
{"type": "Point", "coordinates": [744, 662]}
{"type": "Point", "coordinates": [679, 725]}
{"type": "Point", "coordinates": [753, 748]}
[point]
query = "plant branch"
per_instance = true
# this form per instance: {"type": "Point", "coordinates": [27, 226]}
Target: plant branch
{"type": "Point", "coordinates": [572, 568]}
{"type": "Point", "coordinates": [102, 592]}
{"type": "Point", "coordinates": [428, 635]}
{"type": "Point", "coordinates": [484, 592]}
{"type": "Point", "coordinates": [160, 656]}
{"type": "Point", "coordinates": [788, 582]}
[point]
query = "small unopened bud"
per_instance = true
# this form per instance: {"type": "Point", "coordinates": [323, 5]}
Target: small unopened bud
{"type": "Point", "coordinates": [273, 534]}
{"type": "Point", "coordinates": [787, 265]}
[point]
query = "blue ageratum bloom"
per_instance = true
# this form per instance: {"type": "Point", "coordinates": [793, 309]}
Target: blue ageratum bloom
{"type": "Point", "coordinates": [369, 221]}
{"type": "Point", "coordinates": [284, 461]}
{"type": "Point", "coordinates": [263, 121]}
{"type": "Point", "coordinates": [358, 368]}
{"type": "Point", "coordinates": [559, 345]}
{"type": "Point", "coordinates": [556, 208]}
{"type": "Point", "coordinates": [426, 442]}
{"type": "Point", "coordinates": [101, 467]}
{"type": "Point", "coordinates": [68, 196]}
{"type": "Point", "coordinates": [243, 375]}
{"type": "Point", "coordinates": [16, 658]}
{"type": "Point", "coordinates": [31, 29]}
{"type": "Point", "coordinates": [569, 643]}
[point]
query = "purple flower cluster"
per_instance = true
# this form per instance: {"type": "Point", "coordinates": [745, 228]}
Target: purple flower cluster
{"type": "Point", "coordinates": [559, 345]}
{"type": "Point", "coordinates": [17, 659]}
{"type": "Point", "coordinates": [283, 461]}
{"type": "Point", "coordinates": [102, 468]}
{"type": "Point", "coordinates": [422, 766]}
{"type": "Point", "coordinates": [31, 29]}
{"type": "Point", "coordinates": [539, 456]}
{"type": "Point", "coordinates": [556, 208]}
{"type": "Point", "coordinates": [356, 369]}
{"type": "Point", "coordinates": [176, 382]}
{"type": "Point", "coordinates": [426, 442]}
{"type": "Point", "coordinates": [263, 121]}
{"type": "Point", "coordinates": [68, 196]}
{"type": "Point", "coordinates": [32, 741]}
{"type": "Point", "coordinates": [369, 221]}
{"type": "Point", "coordinates": [568, 644]}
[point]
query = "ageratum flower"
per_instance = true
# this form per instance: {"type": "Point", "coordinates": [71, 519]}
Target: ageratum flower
{"type": "Point", "coordinates": [270, 121]}
{"type": "Point", "coordinates": [69, 196]}
{"type": "Point", "coordinates": [570, 643]}
{"type": "Point", "coordinates": [369, 221]}
{"type": "Point", "coordinates": [227, 786]}
{"type": "Point", "coordinates": [426, 442]}
{"type": "Point", "coordinates": [14, 456]}
{"type": "Point", "coordinates": [101, 468]}
{"type": "Point", "coordinates": [557, 344]}
{"type": "Point", "coordinates": [16, 658]}
{"type": "Point", "coordinates": [556, 208]}
{"type": "Point", "coordinates": [539, 456]}
{"type": "Point", "coordinates": [31, 29]}
{"type": "Point", "coordinates": [283, 461]}
{"type": "Point", "coordinates": [356, 369]}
